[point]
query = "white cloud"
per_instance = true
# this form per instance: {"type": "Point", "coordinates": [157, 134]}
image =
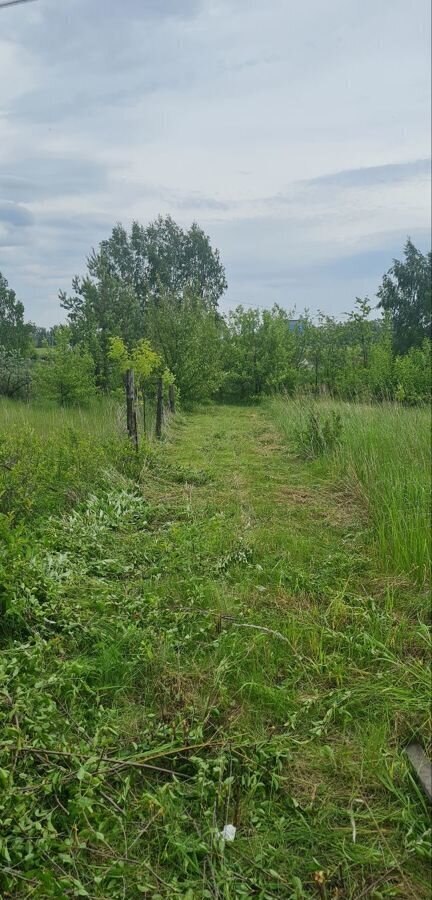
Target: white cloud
{"type": "Point", "coordinates": [220, 110]}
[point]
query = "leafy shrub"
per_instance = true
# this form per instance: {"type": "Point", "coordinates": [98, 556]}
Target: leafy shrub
{"type": "Point", "coordinates": [40, 477]}
{"type": "Point", "coordinates": [413, 375]}
{"type": "Point", "coordinates": [321, 434]}
{"type": "Point", "coordinates": [15, 374]}
{"type": "Point", "coordinates": [67, 375]}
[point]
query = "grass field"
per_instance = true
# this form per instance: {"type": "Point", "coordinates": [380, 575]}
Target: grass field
{"type": "Point", "coordinates": [384, 458]}
{"type": "Point", "coordinates": [220, 631]}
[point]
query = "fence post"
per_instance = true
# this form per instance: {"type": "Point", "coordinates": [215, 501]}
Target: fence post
{"type": "Point", "coordinates": [131, 416]}
{"type": "Point", "coordinates": [159, 407]}
{"type": "Point", "coordinates": [144, 412]}
{"type": "Point", "coordinates": [171, 398]}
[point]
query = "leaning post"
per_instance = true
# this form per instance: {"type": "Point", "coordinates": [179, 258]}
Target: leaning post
{"type": "Point", "coordinates": [171, 398]}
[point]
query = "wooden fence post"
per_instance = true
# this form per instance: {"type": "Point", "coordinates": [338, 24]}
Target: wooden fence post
{"type": "Point", "coordinates": [171, 398]}
{"type": "Point", "coordinates": [144, 412]}
{"type": "Point", "coordinates": [131, 416]}
{"type": "Point", "coordinates": [159, 407]}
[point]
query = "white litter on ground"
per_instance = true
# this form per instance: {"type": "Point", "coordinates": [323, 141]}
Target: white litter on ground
{"type": "Point", "coordinates": [228, 832]}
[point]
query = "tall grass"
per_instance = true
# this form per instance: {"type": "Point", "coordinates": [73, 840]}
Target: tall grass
{"type": "Point", "coordinates": [384, 454]}
{"type": "Point", "coordinates": [101, 419]}
{"type": "Point", "coordinates": [52, 457]}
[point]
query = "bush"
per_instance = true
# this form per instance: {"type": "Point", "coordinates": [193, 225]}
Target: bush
{"type": "Point", "coordinates": [412, 375]}
{"type": "Point", "coordinates": [15, 377]}
{"type": "Point", "coordinates": [66, 376]}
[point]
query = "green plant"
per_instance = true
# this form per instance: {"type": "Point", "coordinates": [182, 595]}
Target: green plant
{"type": "Point", "coordinates": [66, 376]}
{"type": "Point", "coordinates": [320, 433]}
{"type": "Point", "coordinates": [385, 460]}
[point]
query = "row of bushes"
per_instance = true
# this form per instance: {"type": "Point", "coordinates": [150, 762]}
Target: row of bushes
{"type": "Point", "coordinates": [65, 375]}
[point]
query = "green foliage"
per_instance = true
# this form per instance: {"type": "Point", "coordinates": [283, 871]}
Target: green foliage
{"type": "Point", "coordinates": [66, 376]}
{"type": "Point", "coordinates": [150, 298]}
{"type": "Point", "coordinates": [164, 258]}
{"type": "Point", "coordinates": [14, 332]}
{"type": "Point", "coordinates": [142, 358]}
{"type": "Point", "coordinates": [118, 354]}
{"type": "Point", "coordinates": [145, 361]}
{"type": "Point", "coordinates": [406, 294]}
{"type": "Point", "coordinates": [188, 337]}
{"type": "Point", "coordinates": [139, 286]}
{"type": "Point", "coordinates": [15, 374]}
{"type": "Point", "coordinates": [263, 352]}
{"type": "Point", "coordinates": [269, 352]}
{"type": "Point", "coordinates": [412, 374]}
{"type": "Point", "coordinates": [101, 308]}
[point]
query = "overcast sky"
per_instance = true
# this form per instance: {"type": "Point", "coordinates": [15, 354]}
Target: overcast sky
{"type": "Point", "coordinates": [295, 133]}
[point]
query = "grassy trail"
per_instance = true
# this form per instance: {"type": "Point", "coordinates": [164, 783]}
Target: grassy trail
{"type": "Point", "coordinates": [237, 632]}
{"type": "Point", "coordinates": [296, 556]}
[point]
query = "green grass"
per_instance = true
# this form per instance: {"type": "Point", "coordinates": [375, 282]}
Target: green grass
{"type": "Point", "coordinates": [384, 458]}
{"type": "Point", "coordinates": [210, 636]}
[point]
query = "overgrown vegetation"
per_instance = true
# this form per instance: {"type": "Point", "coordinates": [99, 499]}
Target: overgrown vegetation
{"type": "Point", "coordinates": [202, 636]}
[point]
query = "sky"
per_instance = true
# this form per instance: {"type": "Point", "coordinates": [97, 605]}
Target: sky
{"type": "Point", "coordinates": [296, 134]}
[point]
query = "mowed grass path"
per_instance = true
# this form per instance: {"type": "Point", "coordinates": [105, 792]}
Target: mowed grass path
{"type": "Point", "coordinates": [294, 553]}
{"type": "Point", "coordinates": [216, 646]}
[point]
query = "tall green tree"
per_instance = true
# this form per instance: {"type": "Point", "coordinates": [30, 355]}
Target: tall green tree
{"type": "Point", "coordinates": [163, 257]}
{"type": "Point", "coordinates": [136, 282]}
{"type": "Point", "coordinates": [188, 337]}
{"type": "Point", "coordinates": [14, 332]}
{"type": "Point", "coordinates": [101, 307]}
{"type": "Point", "coordinates": [406, 294]}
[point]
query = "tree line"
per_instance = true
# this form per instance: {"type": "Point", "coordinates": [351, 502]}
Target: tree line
{"type": "Point", "coordinates": [148, 303]}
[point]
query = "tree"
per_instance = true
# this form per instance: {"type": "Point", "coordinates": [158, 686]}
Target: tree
{"type": "Point", "coordinates": [129, 279]}
{"type": "Point", "coordinates": [14, 332]}
{"type": "Point", "coordinates": [362, 327]}
{"type": "Point", "coordinates": [263, 352]}
{"type": "Point", "coordinates": [15, 374]}
{"type": "Point", "coordinates": [41, 337]}
{"type": "Point", "coordinates": [142, 360]}
{"type": "Point", "coordinates": [102, 307]}
{"type": "Point", "coordinates": [188, 337]}
{"type": "Point", "coordinates": [162, 257]}
{"type": "Point", "coordinates": [406, 294]}
{"type": "Point", "coordinates": [67, 374]}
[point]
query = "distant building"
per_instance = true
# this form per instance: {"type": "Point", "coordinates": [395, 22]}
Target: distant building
{"type": "Point", "coordinates": [295, 324]}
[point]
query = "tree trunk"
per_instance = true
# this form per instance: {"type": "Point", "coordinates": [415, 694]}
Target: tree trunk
{"type": "Point", "coordinates": [131, 416]}
{"type": "Point", "coordinates": [171, 398]}
{"type": "Point", "coordinates": [159, 408]}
